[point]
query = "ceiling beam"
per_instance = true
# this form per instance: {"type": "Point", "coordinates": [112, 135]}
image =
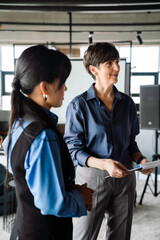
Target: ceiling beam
{"type": "Point", "coordinates": [90, 6]}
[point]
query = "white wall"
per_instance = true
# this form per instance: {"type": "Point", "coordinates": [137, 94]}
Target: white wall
{"type": "Point", "coordinates": [146, 142]}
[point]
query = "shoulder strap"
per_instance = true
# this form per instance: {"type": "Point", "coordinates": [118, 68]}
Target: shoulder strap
{"type": "Point", "coordinates": [25, 140]}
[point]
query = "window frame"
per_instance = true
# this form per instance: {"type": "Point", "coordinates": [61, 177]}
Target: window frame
{"type": "Point", "coordinates": [155, 74]}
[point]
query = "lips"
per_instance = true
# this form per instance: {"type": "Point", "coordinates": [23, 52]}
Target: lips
{"type": "Point", "coordinates": [114, 75]}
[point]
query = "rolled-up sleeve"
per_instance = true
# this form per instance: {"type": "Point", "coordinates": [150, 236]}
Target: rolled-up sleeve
{"type": "Point", "coordinates": [45, 179]}
{"type": "Point", "coordinates": [75, 135]}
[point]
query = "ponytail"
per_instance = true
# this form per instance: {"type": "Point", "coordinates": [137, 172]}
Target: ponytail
{"type": "Point", "coordinates": [16, 111]}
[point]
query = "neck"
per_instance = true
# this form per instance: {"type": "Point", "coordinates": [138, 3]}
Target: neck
{"type": "Point", "coordinates": [37, 97]}
{"type": "Point", "coordinates": [104, 91]}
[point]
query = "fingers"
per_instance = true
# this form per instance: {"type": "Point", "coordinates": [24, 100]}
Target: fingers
{"type": "Point", "coordinates": [89, 190]}
{"type": "Point", "coordinates": [84, 185]}
{"type": "Point", "coordinates": [147, 171]}
{"type": "Point", "coordinates": [119, 174]}
{"type": "Point", "coordinates": [121, 166]}
{"type": "Point", "coordinates": [117, 170]}
{"type": "Point", "coordinates": [89, 208]}
{"type": "Point", "coordinates": [87, 196]}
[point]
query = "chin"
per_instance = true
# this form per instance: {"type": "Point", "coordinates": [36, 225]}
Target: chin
{"type": "Point", "coordinates": [59, 105]}
{"type": "Point", "coordinates": [115, 81]}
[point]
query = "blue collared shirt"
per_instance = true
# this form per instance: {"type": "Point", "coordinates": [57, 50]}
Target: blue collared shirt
{"type": "Point", "coordinates": [92, 130]}
{"type": "Point", "coordinates": [44, 175]}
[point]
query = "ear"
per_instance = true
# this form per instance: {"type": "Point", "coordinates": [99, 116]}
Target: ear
{"type": "Point", "coordinates": [43, 87]}
{"type": "Point", "coordinates": [93, 70]}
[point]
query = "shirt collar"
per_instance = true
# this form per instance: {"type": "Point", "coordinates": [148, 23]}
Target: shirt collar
{"type": "Point", "coordinates": [52, 115]}
{"type": "Point", "coordinates": [118, 95]}
{"type": "Point", "coordinates": [92, 94]}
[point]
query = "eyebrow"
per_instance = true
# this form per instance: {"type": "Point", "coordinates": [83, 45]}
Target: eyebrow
{"type": "Point", "coordinates": [112, 60]}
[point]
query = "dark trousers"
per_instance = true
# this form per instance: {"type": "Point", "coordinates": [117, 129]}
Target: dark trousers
{"type": "Point", "coordinates": [112, 196]}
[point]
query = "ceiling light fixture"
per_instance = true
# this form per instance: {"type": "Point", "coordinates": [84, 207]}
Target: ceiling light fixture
{"type": "Point", "coordinates": [139, 39]}
{"type": "Point", "coordinates": [90, 39]}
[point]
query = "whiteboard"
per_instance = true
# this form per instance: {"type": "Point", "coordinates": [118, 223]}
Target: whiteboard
{"type": "Point", "coordinates": [79, 81]}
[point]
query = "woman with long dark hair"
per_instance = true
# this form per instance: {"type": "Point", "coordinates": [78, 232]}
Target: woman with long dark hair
{"type": "Point", "coordinates": [47, 197]}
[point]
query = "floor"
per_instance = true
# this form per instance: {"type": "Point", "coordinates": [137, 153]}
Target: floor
{"type": "Point", "coordinates": [146, 218]}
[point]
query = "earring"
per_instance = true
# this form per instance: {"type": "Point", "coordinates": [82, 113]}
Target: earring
{"type": "Point", "coordinates": [45, 97]}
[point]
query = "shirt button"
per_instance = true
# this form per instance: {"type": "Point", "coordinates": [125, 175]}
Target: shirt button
{"type": "Point", "coordinates": [17, 238]}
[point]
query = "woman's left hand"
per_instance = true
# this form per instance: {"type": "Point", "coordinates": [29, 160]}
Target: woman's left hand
{"type": "Point", "coordinates": [146, 171]}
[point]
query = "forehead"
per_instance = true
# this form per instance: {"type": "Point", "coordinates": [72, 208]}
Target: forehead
{"type": "Point", "coordinates": [111, 60]}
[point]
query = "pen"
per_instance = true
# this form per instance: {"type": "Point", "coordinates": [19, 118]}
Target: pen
{"type": "Point", "coordinates": [107, 176]}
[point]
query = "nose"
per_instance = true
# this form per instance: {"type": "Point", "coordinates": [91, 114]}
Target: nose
{"type": "Point", "coordinates": [116, 66]}
{"type": "Point", "coordinates": [65, 88]}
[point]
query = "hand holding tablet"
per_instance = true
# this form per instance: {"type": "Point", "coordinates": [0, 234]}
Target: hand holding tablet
{"type": "Point", "coordinates": [146, 166]}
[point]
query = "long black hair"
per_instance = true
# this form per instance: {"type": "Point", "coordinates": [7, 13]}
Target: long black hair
{"type": "Point", "coordinates": [37, 64]}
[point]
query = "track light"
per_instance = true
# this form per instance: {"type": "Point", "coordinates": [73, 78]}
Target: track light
{"type": "Point", "coordinates": [139, 39]}
{"type": "Point", "coordinates": [90, 39]}
{"type": "Point", "coordinates": [51, 45]}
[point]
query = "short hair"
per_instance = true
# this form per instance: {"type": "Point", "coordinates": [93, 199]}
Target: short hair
{"type": "Point", "coordinates": [99, 53]}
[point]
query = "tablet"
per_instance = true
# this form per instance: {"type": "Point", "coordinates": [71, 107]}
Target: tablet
{"type": "Point", "coordinates": [146, 166]}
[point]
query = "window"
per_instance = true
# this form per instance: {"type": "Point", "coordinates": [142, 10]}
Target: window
{"type": "Point", "coordinates": [144, 68]}
{"type": "Point", "coordinates": [18, 49]}
{"type": "Point", "coordinates": [145, 59]}
{"type": "Point", "coordinates": [7, 58]}
{"type": "Point", "coordinates": [124, 52]}
{"type": "Point", "coordinates": [139, 79]}
{"type": "Point", "coordinates": [9, 55]}
{"type": "Point", "coordinates": [7, 78]}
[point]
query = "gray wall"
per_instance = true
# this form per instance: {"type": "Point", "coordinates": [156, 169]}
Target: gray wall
{"type": "Point", "coordinates": [4, 115]}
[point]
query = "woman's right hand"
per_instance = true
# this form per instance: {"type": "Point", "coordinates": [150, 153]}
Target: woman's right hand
{"type": "Point", "coordinates": [86, 194]}
{"type": "Point", "coordinates": [114, 168]}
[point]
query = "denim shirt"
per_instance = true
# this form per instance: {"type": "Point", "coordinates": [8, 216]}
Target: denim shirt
{"type": "Point", "coordinates": [92, 130]}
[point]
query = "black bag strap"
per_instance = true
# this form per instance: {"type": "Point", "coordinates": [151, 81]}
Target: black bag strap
{"type": "Point", "coordinates": [25, 140]}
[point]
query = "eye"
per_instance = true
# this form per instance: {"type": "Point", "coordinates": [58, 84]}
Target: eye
{"type": "Point", "coordinates": [109, 63]}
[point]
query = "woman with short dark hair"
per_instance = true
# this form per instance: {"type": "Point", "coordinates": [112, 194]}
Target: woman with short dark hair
{"type": "Point", "coordinates": [47, 197]}
{"type": "Point", "coordinates": [101, 126]}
